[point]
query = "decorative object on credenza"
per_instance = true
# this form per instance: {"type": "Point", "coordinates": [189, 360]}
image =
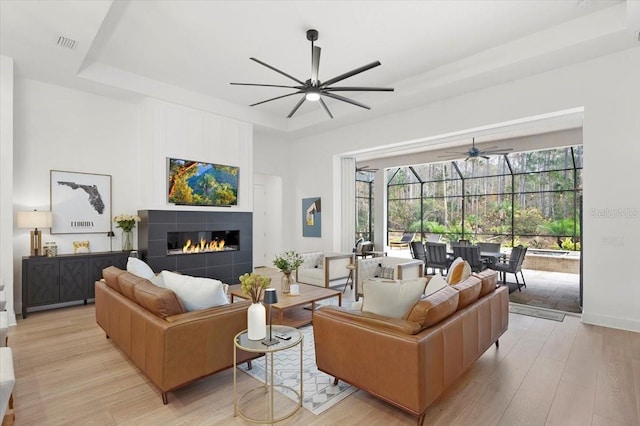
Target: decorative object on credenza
{"type": "Point", "coordinates": [312, 217]}
{"type": "Point", "coordinates": [34, 219]}
{"type": "Point", "coordinates": [287, 262]}
{"type": "Point", "coordinates": [81, 247]}
{"type": "Point", "coordinates": [110, 234]}
{"type": "Point", "coordinates": [126, 222]}
{"type": "Point", "coordinates": [50, 249]}
{"type": "Point", "coordinates": [254, 285]}
{"type": "Point", "coordinates": [196, 183]}
{"type": "Point", "coordinates": [270, 297]}
{"type": "Point", "coordinates": [80, 202]}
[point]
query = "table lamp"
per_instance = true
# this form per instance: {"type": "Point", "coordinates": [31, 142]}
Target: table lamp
{"type": "Point", "coordinates": [270, 297]}
{"type": "Point", "coordinates": [110, 234]}
{"type": "Point", "coordinates": [34, 219]}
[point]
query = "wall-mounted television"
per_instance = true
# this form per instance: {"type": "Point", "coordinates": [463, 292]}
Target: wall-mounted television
{"type": "Point", "coordinates": [195, 183]}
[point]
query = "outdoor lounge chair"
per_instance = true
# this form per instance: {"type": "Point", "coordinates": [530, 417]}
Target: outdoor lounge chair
{"type": "Point", "coordinates": [418, 252]}
{"type": "Point", "coordinates": [404, 241]}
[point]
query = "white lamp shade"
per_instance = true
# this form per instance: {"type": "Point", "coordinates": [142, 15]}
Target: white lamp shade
{"type": "Point", "coordinates": [34, 219]}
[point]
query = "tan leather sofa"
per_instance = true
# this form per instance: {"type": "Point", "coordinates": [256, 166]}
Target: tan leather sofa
{"type": "Point", "coordinates": [171, 347]}
{"type": "Point", "coordinates": [410, 362]}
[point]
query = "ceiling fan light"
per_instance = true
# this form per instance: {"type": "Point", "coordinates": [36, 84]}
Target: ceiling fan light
{"type": "Point", "coordinates": [312, 95]}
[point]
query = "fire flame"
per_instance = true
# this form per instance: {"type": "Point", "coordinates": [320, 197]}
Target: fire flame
{"type": "Point", "coordinates": [202, 246]}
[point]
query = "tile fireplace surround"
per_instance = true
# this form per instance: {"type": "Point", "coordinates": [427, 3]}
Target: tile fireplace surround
{"type": "Point", "coordinates": [225, 266]}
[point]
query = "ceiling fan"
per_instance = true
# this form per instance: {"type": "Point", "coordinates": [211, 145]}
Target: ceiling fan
{"type": "Point", "coordinates": [474, 152]}
{"type": "Point", "coordinates": [313, 89]}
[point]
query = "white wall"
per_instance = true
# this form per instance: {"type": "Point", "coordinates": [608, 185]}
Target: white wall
{"type": "Point", "coordinates": [608, 88]}
{"type": "Point", "coordinates": [6, 181]}
{"type": "Point", "coordinates": [169, 130]}
{"type": "Point", "coordinates": [61, 129]}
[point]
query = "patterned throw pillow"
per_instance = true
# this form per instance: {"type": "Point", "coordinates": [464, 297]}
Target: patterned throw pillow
{"type": "Point", "coordinates": [387, 272]}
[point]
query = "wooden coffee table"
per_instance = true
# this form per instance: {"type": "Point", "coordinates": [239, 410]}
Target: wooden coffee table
{"type": "Point", "coordinates": [290, 310]}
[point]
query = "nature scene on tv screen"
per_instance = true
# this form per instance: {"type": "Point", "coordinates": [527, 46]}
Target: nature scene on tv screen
{"type": "Point", "coordinates": [195, 183]}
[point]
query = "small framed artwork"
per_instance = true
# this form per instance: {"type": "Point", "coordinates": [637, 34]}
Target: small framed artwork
{"type": "Point", "coordinates": [80, 203]}
{"type": "Point", "coordinates": [311, 217]}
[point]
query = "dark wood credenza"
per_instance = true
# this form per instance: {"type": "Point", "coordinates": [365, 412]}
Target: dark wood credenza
{"type": "Point", "coordinates": [64, 278]}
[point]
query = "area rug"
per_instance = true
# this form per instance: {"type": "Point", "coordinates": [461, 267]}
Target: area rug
{"type": "Point", "coordinates": [319, 392]}
{"type": "Point", "coordinates": [534, 312]}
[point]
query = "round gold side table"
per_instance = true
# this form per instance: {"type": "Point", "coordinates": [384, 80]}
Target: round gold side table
{"type": "Point", "coordinates": [265, 391]}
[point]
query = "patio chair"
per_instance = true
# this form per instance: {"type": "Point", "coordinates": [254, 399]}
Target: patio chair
{"type": "Point", "coordinates": [489, 248]}
{"type": "Point", "coordinates": [404, 241]}
{"type": "Point", "coordinates": [418, 252]}
{"type": "Point", "coordinates": [513, 265]}
{"type": "Point", "coordinates": [463, 242]}
{"type": "Point", "coordinates": [472, 255]}
{"type": "Point", "coordinates": [437, 257]}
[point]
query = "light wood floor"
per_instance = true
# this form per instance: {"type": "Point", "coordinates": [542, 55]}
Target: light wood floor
{"type": "Point", "coordinates": [543, 373]}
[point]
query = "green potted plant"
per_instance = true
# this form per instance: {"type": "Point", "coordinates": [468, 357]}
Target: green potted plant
{"type": "Point", "coordinates": [287, 262]}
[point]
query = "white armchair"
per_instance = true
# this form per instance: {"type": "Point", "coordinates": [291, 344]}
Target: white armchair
{"type": "Point", "coordinates": [321, 268]}
{"type": "Point", "coordinates": [396, 268]}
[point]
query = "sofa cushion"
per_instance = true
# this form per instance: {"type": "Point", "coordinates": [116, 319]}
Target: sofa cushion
{"type": "Point", "coordinates": [139, 268]}
{"type": "Point", "coordinates": [489, 279]}
{"type": "Point", "coordinates": [459, 271]}
{"type": "Point", "coordinates": [469, 291]}
{"type": "Point", "coordinates": [159, 301]}
{"type": "Point", "coordinates": [110, 276]}
{"type": "Point", "coordinates": [432, 309]}
{"type": "Point", "coordinates": [127, 281]}
{"type": "Point", "coordinates": [195, 293]}
{"type": "Point", "coordinates": [391, 299]}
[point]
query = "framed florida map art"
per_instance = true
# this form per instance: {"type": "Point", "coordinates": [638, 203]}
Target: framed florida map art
{"type": "Point", "coordinates": [80, 202]}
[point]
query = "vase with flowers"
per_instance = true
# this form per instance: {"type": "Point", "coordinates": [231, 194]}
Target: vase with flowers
{"type": "Point", "coordinates": [253, 285]}
{"type": "Point", "coordinates": [287, 262]}
{"type": "Point", "coordinates": [126, 222]}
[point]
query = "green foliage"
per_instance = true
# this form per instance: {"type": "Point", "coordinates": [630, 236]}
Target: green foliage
{"type": "Point", "coordinates": [527, 221]}
{"type": "Point", "coordinates": [288, 261]}
{"type": "Point", "coordinates": [253, 285]}
{"type": "Point", "coordinates": [560, 227]}
{"type": "Point", "coordinates": [568, 244]}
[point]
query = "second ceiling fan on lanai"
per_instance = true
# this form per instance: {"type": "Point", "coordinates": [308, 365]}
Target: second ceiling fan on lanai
{"type": "Point", "coordinates": [313, 89]}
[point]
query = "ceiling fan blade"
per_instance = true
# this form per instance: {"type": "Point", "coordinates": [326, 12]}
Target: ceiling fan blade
{"type": "Point", "coordinates": [315, 65]}
{"type": "Point", "coordinates": [347, 100]}
{"type": "Point", "coordinates": [326, 108]}
{"type": "Point", "coordinates": [358, 89]}
{"type": "Point", "coordinates": [295, 108]}
{"type": "Point", "coordinates": [350, 73]}
{"type": "Point", "coordinates": [277, 70]}
{"type": "Point", "coordinates": [277, 97]}
{"type": "Point", "coordinates": [267, 85]}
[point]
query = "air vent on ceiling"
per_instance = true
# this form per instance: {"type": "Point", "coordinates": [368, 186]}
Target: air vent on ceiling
{"type": "Point", "coordinates": [67, 43]}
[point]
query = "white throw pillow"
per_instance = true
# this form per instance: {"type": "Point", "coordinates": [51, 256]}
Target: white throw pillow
{"type": "Point", "coordinates": [437, 282]}
{"type": "Point", "coordinates": [195, 293]}
{"type": "Point", "coordinates": [139, 268]}
{"type": "Point", "coordinates": [158, 281]}
{"type": "Point", "coordinates": [391, 298]}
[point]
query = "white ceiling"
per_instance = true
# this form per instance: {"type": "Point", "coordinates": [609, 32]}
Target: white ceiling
{"type": "Point", "coordinates": [189, 51]}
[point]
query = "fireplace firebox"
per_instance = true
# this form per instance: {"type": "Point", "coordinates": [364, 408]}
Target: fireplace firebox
{"type": "Point", "coordinates": [193, 242]}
